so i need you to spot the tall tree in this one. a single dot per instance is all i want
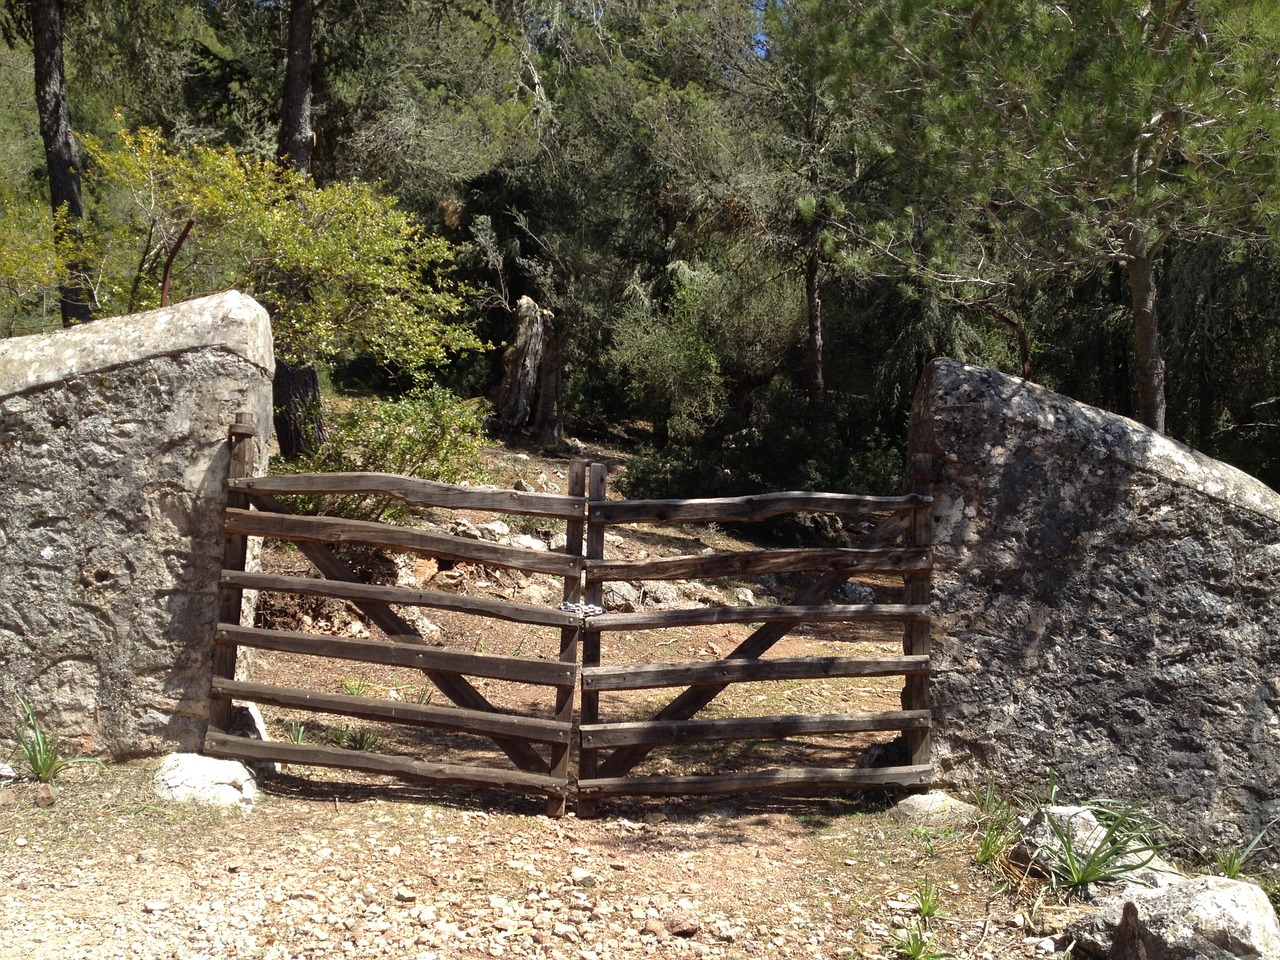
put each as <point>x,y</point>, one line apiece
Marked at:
<point>1059,138</point>
<point>61,156</point>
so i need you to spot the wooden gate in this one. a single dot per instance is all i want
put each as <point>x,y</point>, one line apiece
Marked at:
<point>576,752</point>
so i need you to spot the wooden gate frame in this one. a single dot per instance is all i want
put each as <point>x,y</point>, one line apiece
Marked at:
<point>587,513</point>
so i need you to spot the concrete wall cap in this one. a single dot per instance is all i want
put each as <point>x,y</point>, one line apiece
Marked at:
<point>228,321</point>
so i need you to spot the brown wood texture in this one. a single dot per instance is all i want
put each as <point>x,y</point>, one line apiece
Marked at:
<point>654,675</point>
<point>281,526</point>
<point>917,639</point>
<point>242,462</point>
<point>455,687</point>
<point>589,707</point>
<point>749,728</point>
<point>707,616</point>
<point>518,781</point>
<point>548,673</point>
<point>793,780</point>
<point>694,699</point>
<point>748,563</point>
<point>459,603</point>
<point>421,493</point>
<point>745,509</point>
<point>394,711</point>
<point>575,530</point>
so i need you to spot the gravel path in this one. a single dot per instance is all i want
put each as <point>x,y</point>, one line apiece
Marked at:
<point>109,872</point>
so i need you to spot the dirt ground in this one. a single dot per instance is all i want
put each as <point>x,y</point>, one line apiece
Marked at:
<point>335,864</point>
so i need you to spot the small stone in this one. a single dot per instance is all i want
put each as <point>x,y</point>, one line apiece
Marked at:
<point>46,795</point>
<point>405,895</point>
<point>8,797</point>
<point>155,906</point>
<point>682,924</point>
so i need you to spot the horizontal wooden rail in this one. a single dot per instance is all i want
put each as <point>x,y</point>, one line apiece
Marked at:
<point>550,673</point>
<point>648,676</point>
<point>655,732</point>
<point>786,780</point>
<point>746,509</point>
<point>223,745</point>
<point>423,493</point>
<point>396,711</point>
<point>706,616</point>
<point>456,602</point>
<point>260,523</point>
<point>749,563</point>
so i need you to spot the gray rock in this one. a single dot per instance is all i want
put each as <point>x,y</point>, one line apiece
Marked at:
<point>1106,606</point>
<point>621,596</point>
<point>495,531</point>
<point>192,777</point>
<point>1209,917</point>
<point>113,463</point>
<point>935,810</point>
<point>856,593</point>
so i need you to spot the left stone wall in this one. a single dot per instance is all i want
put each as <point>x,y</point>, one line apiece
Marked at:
<point>113,465</point>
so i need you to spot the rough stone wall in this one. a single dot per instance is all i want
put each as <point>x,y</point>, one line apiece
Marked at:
<point>1108,606</point>
<point>113,462</point>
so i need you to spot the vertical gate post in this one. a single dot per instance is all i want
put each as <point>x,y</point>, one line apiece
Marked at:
<point>566,696</point>
<point>590,712</point>
<point>918,637</point>
<point>243,463</point>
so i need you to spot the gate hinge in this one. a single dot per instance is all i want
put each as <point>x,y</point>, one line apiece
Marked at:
<point>582,609</point>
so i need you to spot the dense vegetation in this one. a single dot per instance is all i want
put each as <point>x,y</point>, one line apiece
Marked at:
<point>753,222</point>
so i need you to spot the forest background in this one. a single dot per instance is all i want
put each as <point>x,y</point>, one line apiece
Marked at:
<point>752,223</point>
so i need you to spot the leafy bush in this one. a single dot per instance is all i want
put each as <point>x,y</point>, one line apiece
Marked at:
<point>39,750</point>
<point>429,433</point>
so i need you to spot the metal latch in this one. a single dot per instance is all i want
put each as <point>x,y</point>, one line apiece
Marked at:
<point>582,609</point>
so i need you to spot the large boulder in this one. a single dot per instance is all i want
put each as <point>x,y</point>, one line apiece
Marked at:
<point>1107,606</point>
<point>113,465</point>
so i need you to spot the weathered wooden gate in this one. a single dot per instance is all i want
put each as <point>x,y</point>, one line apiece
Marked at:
<point>576,752</point>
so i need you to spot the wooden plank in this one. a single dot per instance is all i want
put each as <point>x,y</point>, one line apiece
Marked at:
<point>749,728</point>
<point>549,673</point>
<point>396,711</point>
<point>589,707</point>
<point>441,545</point>
<point>455,687</point>
<point>695,698</point>
<point>342,590</point>
<point>242,463</point>
<point>750,563</point>
<point>917,638</point>
<point>706,616</point>
<point>786,780</point>
<point>519,781</point>
<point>422,493</point>
<point>654,675</point>
<point>561,756</point>
<point>744,509</point>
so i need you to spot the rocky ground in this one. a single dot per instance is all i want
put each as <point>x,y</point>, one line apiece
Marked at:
<point>332,869</point>
<point>330,864</point>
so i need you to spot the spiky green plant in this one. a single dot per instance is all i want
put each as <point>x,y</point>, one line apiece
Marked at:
<point>39,749</point>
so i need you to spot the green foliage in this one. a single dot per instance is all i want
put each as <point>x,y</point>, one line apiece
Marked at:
<point>355,686</point>
<point>915,942</point>
<point>1230,861</point>
<point>339,267</point>
<point>928,899</point>
<point>39,750</point>
<point>429,434</point>
<point>296,732</point>
<point>1123,844</point>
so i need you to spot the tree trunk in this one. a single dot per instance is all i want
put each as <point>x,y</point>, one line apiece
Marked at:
<point>1146,334</point>
<point>296,137</point>
<point>548,415</point>
<point>817,384</point>
<point>521,367</point>
<point>299,416</point>
<point>299,420</point>
<point>75,292</point>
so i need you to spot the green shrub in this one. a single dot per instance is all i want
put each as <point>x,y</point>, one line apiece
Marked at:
<point>429,433</point>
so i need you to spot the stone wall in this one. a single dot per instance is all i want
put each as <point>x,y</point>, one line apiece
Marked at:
<point>113,461</point>
<point>1108,606</point>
